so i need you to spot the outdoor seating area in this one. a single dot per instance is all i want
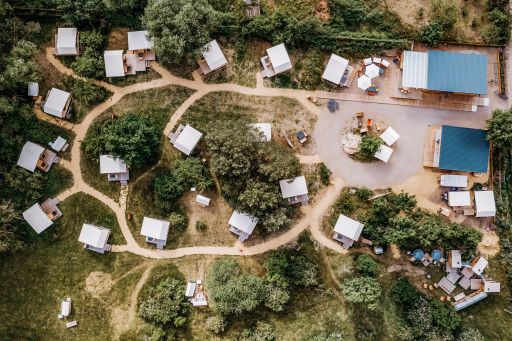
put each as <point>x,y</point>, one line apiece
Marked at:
<point>242,224</point>
<point>60,144</point>
<point>276,61</point>
<point>34,156</point>
<point>462,283</point>
<point>195,293</point>
<point>373,68</point>
<point>480,204</point>
<point>185,138</point>
<point>40,217</point>
<point>95,238</point>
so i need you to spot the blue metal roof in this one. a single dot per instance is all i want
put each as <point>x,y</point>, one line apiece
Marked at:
<point>464,149</point>
<point>457,72</point>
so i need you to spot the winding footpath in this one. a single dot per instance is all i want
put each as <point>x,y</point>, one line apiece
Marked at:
<point>311,215</point>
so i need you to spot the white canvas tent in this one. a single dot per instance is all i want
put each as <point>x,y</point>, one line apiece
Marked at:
<point>295,189</point>
<point>459,199</point>
<point>242,224</point>
<point>187,140</point>
<point>33,89</point>
<point>335,69</point>
<point>155,231</point>
<point>491,286</point>
<point>485,204</point>
<point>191,289</point>
<point>30,154</point>
<point>114,66</point>
<point>139,40</point>
<point>372,71</point>
<point>347,230</point>
<point>213,55</point>
<point>389,136</point>
<point>94,236</point>
<point>37,218</point>
<point>109,164</point>
<point>478,265</point>
<point>364,82</point>
<point>265,128</point>
<point>455,259</point>
<point>66,41</point>
<point>448,180</point>
<point>56,102</point>
<point>384,153</point>
<point>279,58</point>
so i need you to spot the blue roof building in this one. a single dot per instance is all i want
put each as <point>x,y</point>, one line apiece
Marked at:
<point>464,149</point>
<point>445,71</point>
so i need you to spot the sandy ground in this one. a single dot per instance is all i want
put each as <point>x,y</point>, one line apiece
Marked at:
<point>98,283</point>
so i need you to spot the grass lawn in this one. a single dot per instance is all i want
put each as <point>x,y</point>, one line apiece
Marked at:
<point>158,104</point>
<point>285,114</point>
<point>35,280</point>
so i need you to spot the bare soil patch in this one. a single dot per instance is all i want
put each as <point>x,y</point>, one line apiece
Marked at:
<point>98,283</point>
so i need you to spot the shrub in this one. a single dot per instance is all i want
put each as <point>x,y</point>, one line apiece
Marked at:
<point>178,221</point>
<point>262,332</point>
<point>403,293</point>
<point>362,290</point>
<point>216,323</point>
<point>88,93</point>
<point>201,226</point>
<point>324,174</point>
<point>276,296</point>
<point>90,62</point>
<point>166,303</point>
<point>166,191</point>
<point>366,265</point>
<point>364,193</point>
<point>500,128</point>
<point>432,33</point>
<point>295,269</point>
<point>369,146</point>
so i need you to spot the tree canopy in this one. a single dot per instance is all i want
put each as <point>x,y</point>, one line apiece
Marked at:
<point>132,137</point>
<point>179,28</point>
<point>500,128</point>
<point>362,290</point>
<point>165,303</point>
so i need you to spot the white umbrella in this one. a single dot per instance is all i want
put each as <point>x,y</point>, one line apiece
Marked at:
<point>364,82</point>
<point>372,71</point>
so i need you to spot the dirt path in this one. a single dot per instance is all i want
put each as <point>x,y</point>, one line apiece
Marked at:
<point>312,214</point>
<point>122,318</point>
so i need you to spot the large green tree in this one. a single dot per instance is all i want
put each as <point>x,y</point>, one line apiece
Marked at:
<point>19,68</point>
<point>132,137</point>
<point>500,128</point>
<point>179,28</point>
<point>165,303</point>
<point>233,291</point>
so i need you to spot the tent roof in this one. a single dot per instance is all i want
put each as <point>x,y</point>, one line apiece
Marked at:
<point>415,70</point>
<point>243,221</point>
<point>335,69</point>
<point>155,228</point>
<point>36,218</point>
<point>213,55</point>
<point>114,63</point>
<point>449,180</point>
<point>384,153</point>
<point>389,136</point>
<point>56,100</point>
<point>139,40</point>
<point>265,128</point>
<point>348,227</point>
<point>480,266</point>
<point>464,149</point>
<point>455,258</point>
<point>94,235</point>
<point>484,202</point>
<point>293,187</point>
<point>66,37</point>
<point>457,72</point>
<point>188,139</point>
<point>457,199</point>
<point>491,286</point>
<point>278,55</point>
<point>29,156</point>
<point>33,89</point>
<point>109,164</point>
